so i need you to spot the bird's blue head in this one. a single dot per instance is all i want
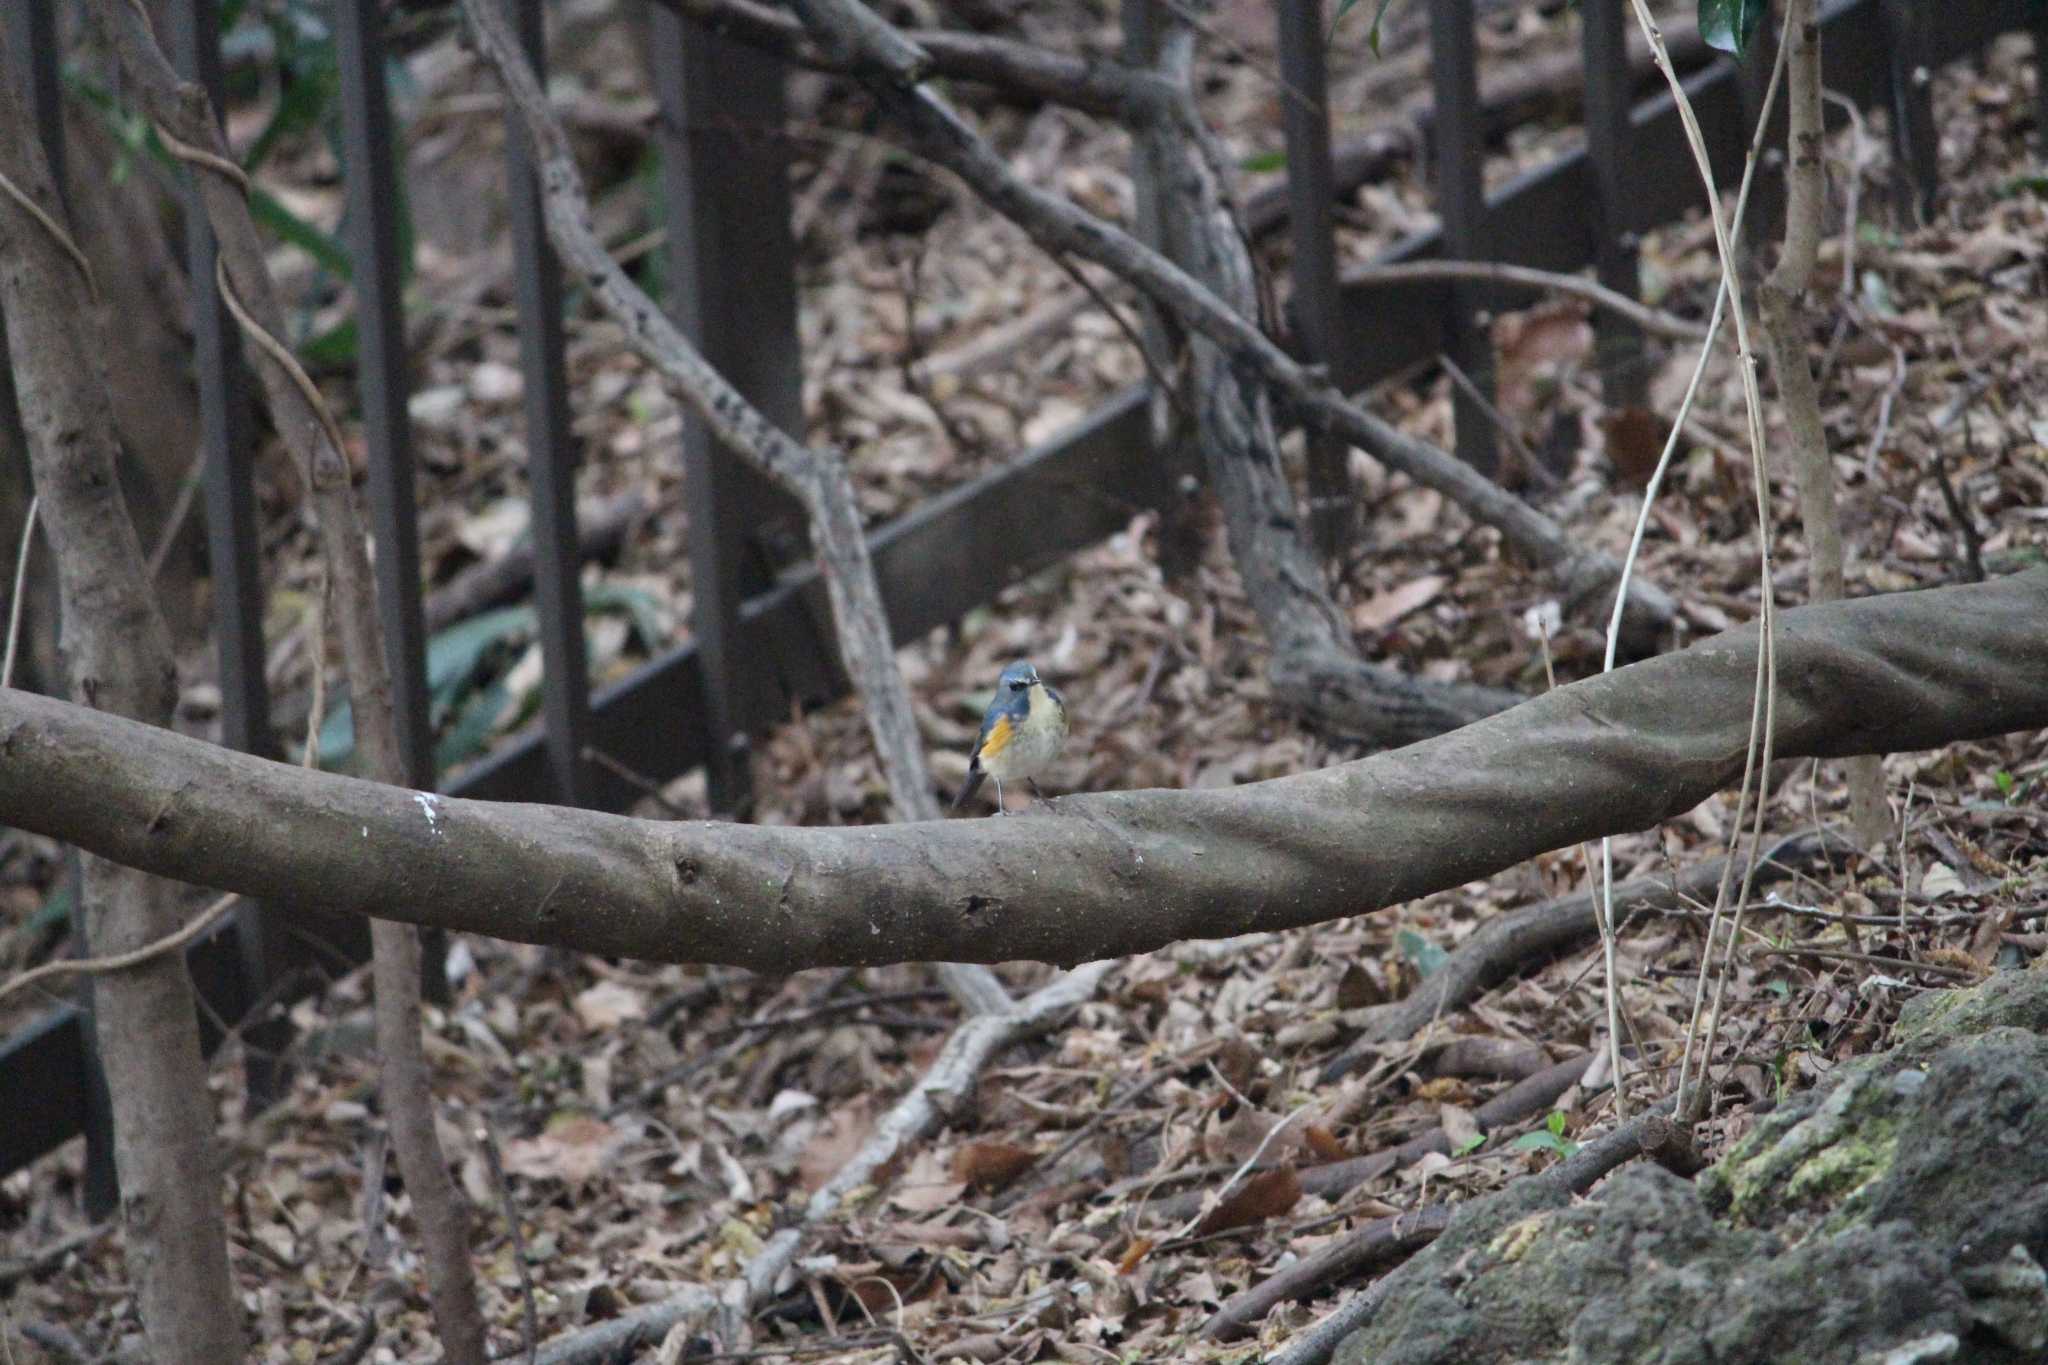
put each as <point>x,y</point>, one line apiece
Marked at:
<point>1017,679</point>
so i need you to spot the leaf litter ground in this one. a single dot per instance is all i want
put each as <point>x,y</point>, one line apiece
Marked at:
<point>657,1123</point>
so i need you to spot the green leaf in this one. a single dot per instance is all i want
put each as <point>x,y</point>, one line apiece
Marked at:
<point>1426,956</point>
<point>1263,162</point>
<point>1470,1144</point>
<point>1555,1123</point>
<point>472,729</point>
<point>1728,25</point>
<point>452,660</point>
<point>1538,1141</point>
<point>333,349</point>
<point>2005,783</point>
<point>636,604</point>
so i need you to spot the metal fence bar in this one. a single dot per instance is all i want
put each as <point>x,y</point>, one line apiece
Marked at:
<point>550,452</point>
<point>1916,146</point>
<point>1458,163</point>
<point>1764,222</point>
<point>234,543</point>
<point>1305,123</point>
<point>2040,31</point>
<point>731,286</point>
<point>32,32</point>
<point>1624,374</point>
<point>380,269</point>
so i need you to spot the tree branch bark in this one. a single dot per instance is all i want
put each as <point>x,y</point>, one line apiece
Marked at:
<point>849,31</point>
<point>816,478</point>
<point>1109,874</point>
<point>1314,662</point>
<point>119,656</point>
<point>1781,301</point>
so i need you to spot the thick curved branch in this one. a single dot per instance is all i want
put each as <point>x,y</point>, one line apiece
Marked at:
<point>1109,874</point>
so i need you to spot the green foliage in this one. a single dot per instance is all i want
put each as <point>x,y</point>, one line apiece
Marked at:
<point>1470,1145</point>
<point>1549,1138</point>
<point>1728,25</point>
<point>468,698</point>
<point>1426,956</point>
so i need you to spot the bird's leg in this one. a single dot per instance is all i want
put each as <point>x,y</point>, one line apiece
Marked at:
<point>1001,809</point>
<point>1039,795</point>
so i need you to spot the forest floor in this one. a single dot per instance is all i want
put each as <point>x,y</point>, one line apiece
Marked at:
<point>657,1123</point>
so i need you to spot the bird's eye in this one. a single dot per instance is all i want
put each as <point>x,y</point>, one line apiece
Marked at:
<point>1020,686</point>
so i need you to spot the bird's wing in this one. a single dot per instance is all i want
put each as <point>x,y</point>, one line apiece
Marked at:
<point>996,734</point>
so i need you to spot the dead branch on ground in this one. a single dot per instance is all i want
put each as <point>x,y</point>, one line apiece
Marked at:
<point>892,69</point>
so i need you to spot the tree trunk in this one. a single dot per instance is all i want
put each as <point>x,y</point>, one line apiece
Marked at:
<point>1315,665</point>
<point>119,657</point>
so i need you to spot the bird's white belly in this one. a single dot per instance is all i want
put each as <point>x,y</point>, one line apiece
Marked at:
<point>1030,751</point>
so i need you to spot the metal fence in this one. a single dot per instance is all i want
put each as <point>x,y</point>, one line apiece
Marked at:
<point>759,635</point>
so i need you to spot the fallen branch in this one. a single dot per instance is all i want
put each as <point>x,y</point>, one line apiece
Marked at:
<point>917,1114</point>
<point>1655,321</point>
<point>1110,874</point>
<point>1518,1103</point>
<point>1524,939</point>
<point>876,55</point>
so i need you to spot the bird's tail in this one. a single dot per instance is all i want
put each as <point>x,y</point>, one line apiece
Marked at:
<point>974,776</point>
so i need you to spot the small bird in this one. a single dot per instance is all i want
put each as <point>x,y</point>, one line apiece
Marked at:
<point>1020,736</point>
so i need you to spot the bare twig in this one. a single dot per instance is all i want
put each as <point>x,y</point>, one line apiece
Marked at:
<point>1757,757</point>
<point>1534,467</point>
<point>529,1316</point>
<point>1781,301</point>
<point>57,233</point>
<point>970,1048</point>
<point>149,952</point>
<point>815,477</point>
<point>1655,321</point>
<point>1966,526</point>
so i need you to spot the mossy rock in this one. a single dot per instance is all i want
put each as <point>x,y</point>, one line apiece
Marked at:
<point>1897,1214</point>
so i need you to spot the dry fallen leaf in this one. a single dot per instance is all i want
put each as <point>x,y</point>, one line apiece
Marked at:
<point>991,1166</point>
<point>928,1185</point>
<point>574,1148</point>
<point>609,1004</point>
<point>1269,1194</point>
<point>1383,609</point>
